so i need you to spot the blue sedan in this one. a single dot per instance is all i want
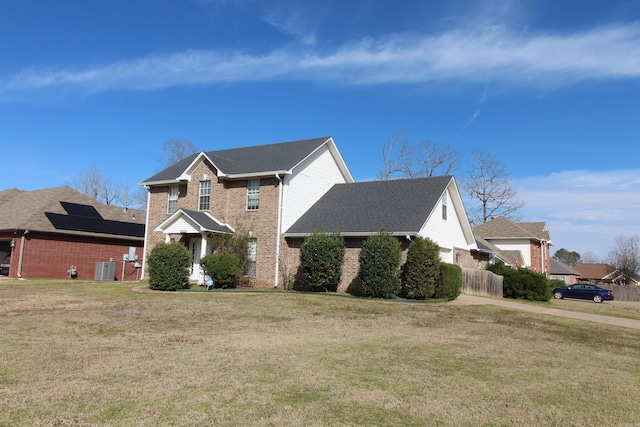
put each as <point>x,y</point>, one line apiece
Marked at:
<point>584,291</point>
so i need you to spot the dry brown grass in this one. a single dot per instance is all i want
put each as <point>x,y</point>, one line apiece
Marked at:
<point>82,353</point>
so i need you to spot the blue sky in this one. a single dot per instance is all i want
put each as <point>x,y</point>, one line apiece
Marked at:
<point>550,88</point>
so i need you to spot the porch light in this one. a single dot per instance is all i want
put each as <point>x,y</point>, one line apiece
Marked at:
<point>13,243</point>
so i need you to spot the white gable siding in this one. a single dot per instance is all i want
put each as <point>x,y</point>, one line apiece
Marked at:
<point>522,245</point>
<point>446,233</point>
<point>310,180</point>
<point>180,225</point>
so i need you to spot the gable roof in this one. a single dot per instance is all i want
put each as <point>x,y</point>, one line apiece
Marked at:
<point>360,209</point>
<point>595,271</point>
<point>64,210</point>
<point>199,222</point>
<point>504,228</point>
<point>259,160</point>
<point>561,269</point>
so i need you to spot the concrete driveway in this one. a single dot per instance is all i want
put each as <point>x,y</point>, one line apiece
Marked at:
<point>609,320</point>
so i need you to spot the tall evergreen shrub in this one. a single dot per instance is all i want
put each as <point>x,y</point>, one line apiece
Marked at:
<point>379,266</point>
<point>450,283</point>
<point>169,265</point>
<point>321,259</point>
<point>523,283</point>
<point>422,269</point>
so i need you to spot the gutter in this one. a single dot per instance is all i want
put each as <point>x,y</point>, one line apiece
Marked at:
<point>278,229</point>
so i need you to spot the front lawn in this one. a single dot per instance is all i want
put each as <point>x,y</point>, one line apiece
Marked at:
<point>97,353</point>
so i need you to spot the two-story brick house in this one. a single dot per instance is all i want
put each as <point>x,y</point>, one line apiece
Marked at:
<point>260,190</point>
<point>527,244</point>
<point>280,193</point>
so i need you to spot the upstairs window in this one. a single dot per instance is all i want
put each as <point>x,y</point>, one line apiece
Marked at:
<point>253,194</point>
<point>172,206</point>
<point>205,195</point>
<point>444,206</point>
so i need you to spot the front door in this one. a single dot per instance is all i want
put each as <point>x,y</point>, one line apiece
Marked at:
<point>194,246</point>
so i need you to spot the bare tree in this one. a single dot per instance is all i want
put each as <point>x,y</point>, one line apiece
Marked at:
<point>589,258</point>
<point>403,160</point>
<point>432,160</point>
<point>490,190</point>
<point>177,149</point>
<point>625,257</point>
<point>396,155</point>
<point>98,187</point>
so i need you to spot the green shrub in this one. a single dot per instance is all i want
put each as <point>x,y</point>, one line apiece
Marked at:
<point>523,283</point>
<point>169,265</point>
<point>321,258</point>
<point>236,244</point>
<point>450,283</point>
<point>224,269</point>
<point>421,270</point>
<point>379,269</point>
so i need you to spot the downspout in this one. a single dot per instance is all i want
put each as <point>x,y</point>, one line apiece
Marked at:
<point>21,256</point>
<point>146,234</point>
<point>278,229</point>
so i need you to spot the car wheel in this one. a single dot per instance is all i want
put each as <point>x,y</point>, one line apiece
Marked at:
<point>597,298</point>
<point>558,295</point>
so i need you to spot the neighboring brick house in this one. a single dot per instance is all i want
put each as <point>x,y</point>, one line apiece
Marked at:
<point>48,231</point>
<point>525,244</point>
<point>260,190</point>
<point>603,274</point>
<point>278,193</point>
<point>561,271</point>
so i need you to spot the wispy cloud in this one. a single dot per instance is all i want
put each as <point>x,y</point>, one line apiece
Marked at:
<point>493,54</point>
<point>585,210</point>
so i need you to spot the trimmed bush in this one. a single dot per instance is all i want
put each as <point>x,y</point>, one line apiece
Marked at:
<point>523,283</point>
<point>321,258</point>
<point>421,270</point>
<point>450,283</point>
<point>224,269</point>
<point>236,244</point>
<point>379,271</point>
<point>169,265</point>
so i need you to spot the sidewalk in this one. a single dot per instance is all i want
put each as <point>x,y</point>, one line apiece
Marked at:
<point>609,320</point>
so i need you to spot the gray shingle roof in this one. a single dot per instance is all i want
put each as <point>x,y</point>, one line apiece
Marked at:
<point>248,160</point>
<point>558,268</point>
<point>399,206</point>
<point>206,222</point>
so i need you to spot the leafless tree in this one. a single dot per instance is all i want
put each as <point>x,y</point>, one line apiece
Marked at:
<point>625,256</point>
<point>177,149</point>
<point>403,160</point>
<point>287,265</point>
<point>93,184</point>
<point>490,190</point>
<point>431,160</point>
<point>589,258</point>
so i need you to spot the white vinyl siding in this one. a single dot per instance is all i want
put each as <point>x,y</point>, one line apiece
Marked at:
<point>310,181</point>
<point>447,233</point>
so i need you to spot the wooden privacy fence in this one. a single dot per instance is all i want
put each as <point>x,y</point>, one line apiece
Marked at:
<point>625,293</point>
<point>482,283</point>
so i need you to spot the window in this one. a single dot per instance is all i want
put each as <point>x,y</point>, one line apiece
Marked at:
<point>444,206</point>
<point>253,194</point>
<point>252,255</point>
<point>174,190</point>
<point>205,195</point>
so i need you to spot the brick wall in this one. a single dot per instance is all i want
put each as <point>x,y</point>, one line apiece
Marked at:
<point>51,256</point>
<point>228,204</point>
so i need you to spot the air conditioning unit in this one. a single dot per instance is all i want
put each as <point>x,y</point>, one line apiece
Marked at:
<point>105,271</point>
